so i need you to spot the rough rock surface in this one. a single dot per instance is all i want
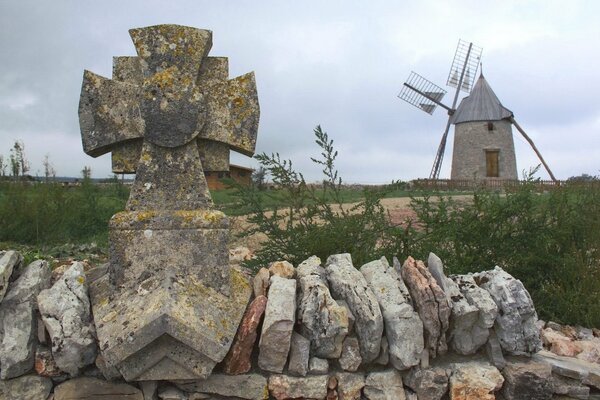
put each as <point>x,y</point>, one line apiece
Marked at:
<point>494,351</point>
<point>384,353</point>
<point>299,355</point>
<point>530,380</point>
<point>559,343</point>
<point>515,325</point>
<point>248,386</point>
<point>470,332</point>
<point>427,383</point>
<point>18,322</point>
<point>278,324</point>
<point>44,363</point>
<point>349,285</point>
<point>291,387</point>
<point>260,282</point>
<point>569,387</point>
<point>92,388</point>
<point>283,269</point>
<point>431,304</point>
<point>171,393</point>
<point>350,359</point>
<point>384,385</point>
<point>27,387</point>
<point>65,310</point>
<point>318,366</point>
<point>436,269</point>
<point>350,385</point>
<point>475,381</point>
<point>586,372</point>
<point>8,262</point>
<point>149,389</point>
<point>109,372</point>
<point>322,320</point>
<point>238,359</point>
<point>403,327</point>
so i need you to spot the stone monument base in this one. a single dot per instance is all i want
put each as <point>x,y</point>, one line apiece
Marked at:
<point>169,306</point>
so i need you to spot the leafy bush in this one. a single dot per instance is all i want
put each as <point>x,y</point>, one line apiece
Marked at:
<point>308,220</point>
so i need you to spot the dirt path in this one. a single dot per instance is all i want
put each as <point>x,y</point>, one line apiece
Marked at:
<point>398,209</point>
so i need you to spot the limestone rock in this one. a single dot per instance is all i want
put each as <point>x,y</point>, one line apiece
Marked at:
<point>410,395</point>
<point>494,351</point>
<point>473,314</point>
<point>238,360</point>
<point>350,385</point>
<point>569,387</point>
<point>171,393</point>
<point>8,262</point>
<point>586,372</point>
<point>87,388</point>
<point>277,326</point>
<point>299,355</point>
<point>318,366</point>
<point>260,283</point>
<point>109,372</point>
<point>475,381</point>
<point>531,380</point>
<point>560,344</point>
<point>436,269</point>
<point>384,385</point>
<point>283,269</point>
<point>351,318</point>
<point>349,285</point>
<point>384,353</point>
<point>65,310</point>
<point>515,324</point>
<point>350,359</point>
<point>292,387</point>
<point>403,327</point>
<point>18,342</point>
<point>428,383</point>
<point>590,350</point>
<point>33,279</point>
<point>248,386</point>
<point>44,363</point>
<point>149,389</point>
<point>27,387</point>
<point>18,322</point>
<point>431,304</point>
<point>322,320</point>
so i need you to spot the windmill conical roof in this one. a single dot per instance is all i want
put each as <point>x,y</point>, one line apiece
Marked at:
<point>481,105</point>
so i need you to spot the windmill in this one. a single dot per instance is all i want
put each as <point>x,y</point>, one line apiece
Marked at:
<point>483,144</point>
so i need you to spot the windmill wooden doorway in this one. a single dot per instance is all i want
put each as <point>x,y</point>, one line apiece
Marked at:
<point>491,163</point>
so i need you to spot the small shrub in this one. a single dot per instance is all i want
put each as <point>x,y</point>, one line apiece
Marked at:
<point>306,220</point>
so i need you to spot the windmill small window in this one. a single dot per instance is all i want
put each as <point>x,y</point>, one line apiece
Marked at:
<point>490,126</point>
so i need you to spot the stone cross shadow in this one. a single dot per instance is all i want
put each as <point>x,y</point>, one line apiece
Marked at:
<point>170,305</point>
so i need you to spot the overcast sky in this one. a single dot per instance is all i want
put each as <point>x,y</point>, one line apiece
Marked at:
<point>340,64</point>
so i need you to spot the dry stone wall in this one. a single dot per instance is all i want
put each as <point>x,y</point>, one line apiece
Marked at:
<point>321,330</point>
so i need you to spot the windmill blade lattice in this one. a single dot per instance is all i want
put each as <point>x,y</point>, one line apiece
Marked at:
<point>466,58</point>
<point>421,93</point>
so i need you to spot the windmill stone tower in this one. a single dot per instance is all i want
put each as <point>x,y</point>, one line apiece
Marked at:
<point>483,139</point>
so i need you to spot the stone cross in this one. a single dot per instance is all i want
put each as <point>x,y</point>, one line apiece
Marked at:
<point>169,305</point>
<point>169,96</point>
